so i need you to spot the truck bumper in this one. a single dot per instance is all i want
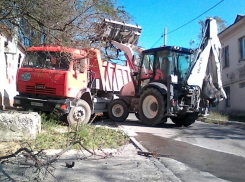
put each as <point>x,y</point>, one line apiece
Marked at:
<point>62,106</point>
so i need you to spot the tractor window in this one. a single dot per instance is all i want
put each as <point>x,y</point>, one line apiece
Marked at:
<point>175,63</point>
<point>183,61</point>
<point>147,65</point>
<point>166,64</point>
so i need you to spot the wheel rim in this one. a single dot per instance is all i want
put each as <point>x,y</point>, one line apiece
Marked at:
<point>117,110</point>
<point>79,114</point>
<point>150,107</point>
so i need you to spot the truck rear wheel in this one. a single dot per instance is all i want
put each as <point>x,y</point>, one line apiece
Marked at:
<point>137,116</point>
<point>80,114</point>
<point>185,120</point>
<point>152,107</point>
<point>118,110</point>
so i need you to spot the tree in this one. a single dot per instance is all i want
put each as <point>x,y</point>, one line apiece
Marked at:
<point>220,23</point>
<point>69,22</point>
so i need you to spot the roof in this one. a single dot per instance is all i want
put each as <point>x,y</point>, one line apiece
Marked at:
<point>238,18</point>
<point>172,48</point>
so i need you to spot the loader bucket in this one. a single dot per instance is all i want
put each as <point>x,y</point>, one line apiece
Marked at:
<point>120,32</point>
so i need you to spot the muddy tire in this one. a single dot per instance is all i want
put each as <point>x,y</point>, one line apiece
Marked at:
<point>152,107</point>
<point>164,120</point>
<point>80,114</point>
<point>118,110</point>
<point>185,120</point>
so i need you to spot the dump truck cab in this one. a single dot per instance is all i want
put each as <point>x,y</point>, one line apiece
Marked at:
<point>50,76</point>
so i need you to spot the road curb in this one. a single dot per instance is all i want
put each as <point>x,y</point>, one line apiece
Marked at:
<point>237,124</point>
<point>166,172</point>
<point>222,122</point>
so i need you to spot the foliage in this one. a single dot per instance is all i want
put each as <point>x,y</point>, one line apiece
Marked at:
<point>50,21</point>
<point>220,23</point>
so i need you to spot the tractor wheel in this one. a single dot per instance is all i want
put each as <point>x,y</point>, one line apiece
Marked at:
<point>164,120</point>
<point>118,110</point>
<point>80,114</point>
<point>185,120</point>
<point>152,107</point>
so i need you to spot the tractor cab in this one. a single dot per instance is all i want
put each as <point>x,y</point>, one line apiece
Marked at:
<point>159,63</point>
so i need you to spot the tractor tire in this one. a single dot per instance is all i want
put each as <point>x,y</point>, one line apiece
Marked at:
<point>164,120</point>
<point>185,120</point>
<point>80,114</point>
<point>152,107</point>
<point>118,110</point>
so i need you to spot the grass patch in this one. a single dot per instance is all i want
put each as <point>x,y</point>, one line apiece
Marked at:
<point>216,118</point>
<point>55,136</point>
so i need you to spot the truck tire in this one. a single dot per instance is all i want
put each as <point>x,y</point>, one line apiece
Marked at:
<point>137,116</point>
<point>152,107</point>
<point>118,110</point>
<point>80,114</point>
<point>185,120</point>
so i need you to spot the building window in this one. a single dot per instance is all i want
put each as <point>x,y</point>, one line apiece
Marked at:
<point>242,85</point>
<point>227,101</point>
<point>226,56</point>
<point>242,48</point>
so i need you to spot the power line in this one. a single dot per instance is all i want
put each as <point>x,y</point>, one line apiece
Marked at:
<point>189,21</point>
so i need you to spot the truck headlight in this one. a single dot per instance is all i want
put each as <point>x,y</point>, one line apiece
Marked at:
<point>17,101</point>
<point>57,106</point>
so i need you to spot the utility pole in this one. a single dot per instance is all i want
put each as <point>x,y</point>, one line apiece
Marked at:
<point>165,36</point>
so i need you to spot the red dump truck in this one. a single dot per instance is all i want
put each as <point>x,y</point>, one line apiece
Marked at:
<point>51,76</point>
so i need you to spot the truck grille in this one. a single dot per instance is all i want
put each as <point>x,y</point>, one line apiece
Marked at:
<point>40,89</point>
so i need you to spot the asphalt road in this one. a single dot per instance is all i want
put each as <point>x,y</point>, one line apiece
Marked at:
<point>218,150</point>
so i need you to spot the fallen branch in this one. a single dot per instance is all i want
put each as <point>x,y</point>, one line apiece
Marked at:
<point>153,154</point>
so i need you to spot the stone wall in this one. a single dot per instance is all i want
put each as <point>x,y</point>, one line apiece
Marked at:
<point>19,125</point>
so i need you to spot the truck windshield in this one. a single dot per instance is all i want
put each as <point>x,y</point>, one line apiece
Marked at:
<point>47,60</point>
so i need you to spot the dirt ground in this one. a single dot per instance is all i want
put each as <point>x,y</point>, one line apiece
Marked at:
<point>8,148</point>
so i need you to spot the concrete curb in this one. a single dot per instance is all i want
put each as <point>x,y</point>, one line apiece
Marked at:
<point>237,124</point>
<point>228,123</point>
<point>167,172</point>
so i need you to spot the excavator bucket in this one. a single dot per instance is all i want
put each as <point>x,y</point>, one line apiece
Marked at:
<point>120,32</point>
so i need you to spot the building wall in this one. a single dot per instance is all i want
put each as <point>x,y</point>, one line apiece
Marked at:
<point>8,70</point>
<point>234,74</point>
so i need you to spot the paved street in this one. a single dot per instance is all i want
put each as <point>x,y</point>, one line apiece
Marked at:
<point>216,149</point>
<point>202,152</point>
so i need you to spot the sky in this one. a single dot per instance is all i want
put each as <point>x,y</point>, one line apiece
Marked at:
<point>154,15</point>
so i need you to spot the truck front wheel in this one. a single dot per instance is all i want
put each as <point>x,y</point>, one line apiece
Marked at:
<point>118,110</point>
<point>152,107</point>
<point>80,114</point>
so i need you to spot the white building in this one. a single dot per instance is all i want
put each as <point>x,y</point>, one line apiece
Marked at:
<point>233,71</point>
<point>11,56</point>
